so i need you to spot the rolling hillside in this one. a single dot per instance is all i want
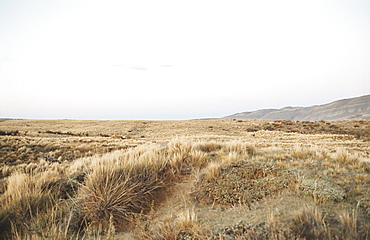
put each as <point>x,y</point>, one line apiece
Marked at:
<point>346,109</point>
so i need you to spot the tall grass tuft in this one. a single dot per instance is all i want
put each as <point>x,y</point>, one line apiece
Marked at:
<point>343,156</point>
<point>197,158</point>
<point>310,224</point>
<point>114,190</point>
<point>26,198</point>
<point>212,171</point>
<point>179,150</point>
<point>349,223</point>
<point>208,146</point>
<point>187,219</point>
<point>240,148</point>
<point>180,146</point>
<point>231,157</point>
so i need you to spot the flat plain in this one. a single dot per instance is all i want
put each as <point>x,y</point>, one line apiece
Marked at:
<point>191,179</point>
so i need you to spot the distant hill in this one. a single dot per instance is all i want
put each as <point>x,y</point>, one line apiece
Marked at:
<point>346,109</point>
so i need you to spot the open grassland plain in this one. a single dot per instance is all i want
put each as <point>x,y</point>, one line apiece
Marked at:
<point>194,179</point>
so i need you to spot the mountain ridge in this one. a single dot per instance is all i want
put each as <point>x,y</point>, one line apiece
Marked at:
<point>357,108</point>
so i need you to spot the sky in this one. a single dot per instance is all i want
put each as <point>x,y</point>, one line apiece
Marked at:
<point>145,59</point>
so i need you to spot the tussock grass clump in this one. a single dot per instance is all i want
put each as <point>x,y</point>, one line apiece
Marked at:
<point>181,227</point>
<point>322,153</point>
<point>180,146</point>
<point>348,221</point>
<point>315,222</point>
<point>198,159</point>
<point>187,219</point>
<point>116,189</point>
<point>242,182</point>
<point>344,157</point>
<point>212,171</point>
<point>179,151</point>
<point>231,157</point>
<point>26,197</point>
<point>241,148</point>
<point>186,156</point>
<point>309,223</point>
<point>301,152</point>
<point>208,147</point>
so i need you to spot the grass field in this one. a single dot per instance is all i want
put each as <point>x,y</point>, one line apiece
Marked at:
<point>194,179</point>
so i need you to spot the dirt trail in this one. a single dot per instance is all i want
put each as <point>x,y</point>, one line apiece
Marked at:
<point>176,198</point>
<point>172,200</point>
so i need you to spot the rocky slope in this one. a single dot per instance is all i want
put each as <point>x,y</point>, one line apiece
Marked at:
<point>357,108</point>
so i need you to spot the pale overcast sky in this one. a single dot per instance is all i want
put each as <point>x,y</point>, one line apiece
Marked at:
<point>134,59</point>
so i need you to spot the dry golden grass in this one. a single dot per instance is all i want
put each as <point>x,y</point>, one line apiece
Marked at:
<point>310,223</point>
<point>349,223</point>
<point>27,199</point>
<point>212,171</point>
<point>119,186</point>
<point>184,179</point>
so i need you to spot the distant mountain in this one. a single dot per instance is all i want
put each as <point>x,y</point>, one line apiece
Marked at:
<point>346,109</point>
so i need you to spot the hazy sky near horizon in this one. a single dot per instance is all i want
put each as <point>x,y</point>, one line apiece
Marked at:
<point>172,59</point>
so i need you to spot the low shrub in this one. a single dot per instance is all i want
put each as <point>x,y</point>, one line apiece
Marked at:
<point>241,182</point>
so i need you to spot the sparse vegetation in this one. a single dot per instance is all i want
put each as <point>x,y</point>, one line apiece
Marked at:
<point>241,182</point>
<point>184,180</point>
